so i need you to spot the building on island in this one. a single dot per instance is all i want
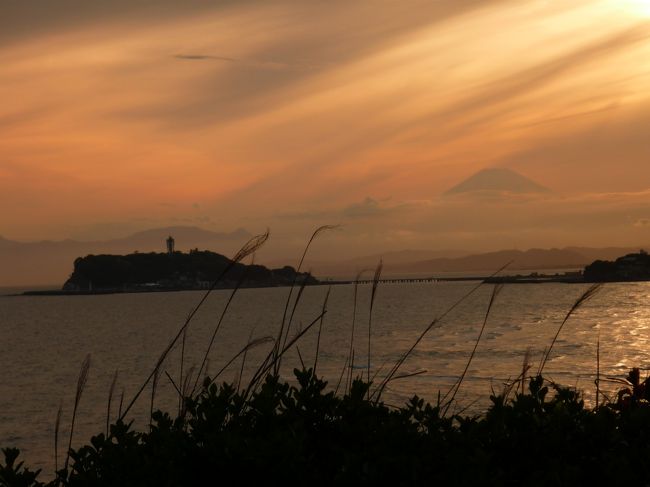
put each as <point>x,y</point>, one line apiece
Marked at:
<point>170,245</point>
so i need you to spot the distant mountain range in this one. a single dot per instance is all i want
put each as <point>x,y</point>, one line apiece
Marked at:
<point>498,180</point>
<point>411,263</point>
<point>570,257</point>
<point>51,262</point>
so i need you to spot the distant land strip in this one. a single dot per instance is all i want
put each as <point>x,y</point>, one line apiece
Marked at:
<point>629,268</point>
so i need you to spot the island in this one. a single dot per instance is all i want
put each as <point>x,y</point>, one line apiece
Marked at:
<point>171,271</point>
<point>631,267</point>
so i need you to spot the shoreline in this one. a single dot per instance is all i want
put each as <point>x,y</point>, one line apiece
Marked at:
<point>540,279</point>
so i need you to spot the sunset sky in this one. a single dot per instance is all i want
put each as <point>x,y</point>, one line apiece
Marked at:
<point>123,115</point>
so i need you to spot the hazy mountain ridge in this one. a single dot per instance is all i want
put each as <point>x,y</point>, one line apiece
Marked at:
<point>569,257</point>
<point>491,261</point>
<point>349,267</point>
<point>51,262</point>
<point>480,263</point>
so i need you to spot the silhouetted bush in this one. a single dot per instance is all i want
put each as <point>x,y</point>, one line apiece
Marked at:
<point>303,433</point>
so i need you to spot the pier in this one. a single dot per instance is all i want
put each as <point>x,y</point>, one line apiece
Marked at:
<point>407,280</point>
<point>517,279</point>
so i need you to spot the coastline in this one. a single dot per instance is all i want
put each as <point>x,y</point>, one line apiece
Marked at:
<point>517,279</point>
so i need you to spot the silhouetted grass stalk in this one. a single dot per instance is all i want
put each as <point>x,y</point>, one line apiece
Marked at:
<point>119,409</point>
<point>176,388</point>
<point>243,362</point>
<point>81,383</point>
<point>598,369</point>
<point>375,283</point>
<point>586,296</point>
<point>338,384</point>
<point>525,367</point>
<point>302,362</point>
<point>57,426</point>
<point>281,333</point>
<point>278,356</point>
<point>111,390</point>
<point>154,386</point>
<point>180,374</point>
<point>293,311</point>
<point>251,344</point>
<point>350,359</point>
<point>240,281</point>
<point>320,327</point>
<point>495,292</point>
<point>378,391</point>
<point>248,248</point>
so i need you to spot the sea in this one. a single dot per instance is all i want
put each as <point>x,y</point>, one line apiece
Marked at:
<point>45,339</point>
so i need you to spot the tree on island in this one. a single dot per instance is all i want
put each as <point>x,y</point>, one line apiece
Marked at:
<point>173,270</point>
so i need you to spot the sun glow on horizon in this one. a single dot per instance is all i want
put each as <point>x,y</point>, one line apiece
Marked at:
<point>639,7</point>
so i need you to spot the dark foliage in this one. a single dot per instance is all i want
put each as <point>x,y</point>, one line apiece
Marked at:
<point>289,434</point>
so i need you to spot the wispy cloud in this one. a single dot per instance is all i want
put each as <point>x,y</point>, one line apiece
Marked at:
<point>203,57</point>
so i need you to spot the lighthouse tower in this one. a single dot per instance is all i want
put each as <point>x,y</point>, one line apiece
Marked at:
<point>170,245</point>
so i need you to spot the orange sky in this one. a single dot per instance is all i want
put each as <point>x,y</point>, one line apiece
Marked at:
<point>120,116</point>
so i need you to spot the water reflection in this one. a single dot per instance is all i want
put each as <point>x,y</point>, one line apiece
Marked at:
<point>45,339</point>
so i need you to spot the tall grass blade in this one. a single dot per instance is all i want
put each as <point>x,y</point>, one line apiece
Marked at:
<point>378,371</point>
<point>598,369</point>
<point>243,362</point>
<point>278,356</point>
<point>81,383</point>
<point>320,327</point>
<point>185,389</point>
<point>111,390</point>
<point>350,378</point>
<point>293,312</point>
<point>281,333</point>
<point>375,283</point>
<point>249,248</point>
<point>119,408</point>
<point>57,426</point>
<point>586,296</point>
<point>350,359</point>
<point>409,374</point>
<point>495,292</point>
<point>261,367</point>
<point>180,375</point>
<point>525,367</point>
<point>302,362</point>
<point>338,384</point>
<point>154,387</point>
<point>178,391</point>
<point>240,281</point>
<point>429,327</point>
<point>252,344</point>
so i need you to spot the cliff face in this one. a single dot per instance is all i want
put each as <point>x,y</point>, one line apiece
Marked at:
<point>194,270</point>
<point>632,267</point>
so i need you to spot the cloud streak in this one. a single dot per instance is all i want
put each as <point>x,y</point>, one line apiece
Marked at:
<point>203,57</point>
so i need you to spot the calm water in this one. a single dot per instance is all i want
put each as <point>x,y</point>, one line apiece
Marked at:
<point>43,341</point>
